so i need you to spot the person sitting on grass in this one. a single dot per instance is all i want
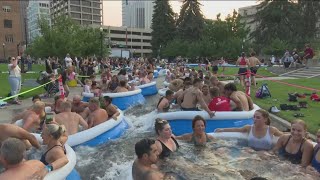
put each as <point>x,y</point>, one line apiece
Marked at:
<point>294,147</point>
<point>199,137</point>
<point>11,157</point>
<point>218,102</point>
<point>164,102</point>
<point>260,134</point>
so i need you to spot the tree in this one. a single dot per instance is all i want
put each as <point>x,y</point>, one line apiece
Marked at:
<point>276,19</point>
<point>276,47</point>
<point>190,23</point>
<point>65,36</point>
<point>163,25</point>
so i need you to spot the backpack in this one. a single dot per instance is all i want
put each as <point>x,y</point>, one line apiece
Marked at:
<point>263,92</point>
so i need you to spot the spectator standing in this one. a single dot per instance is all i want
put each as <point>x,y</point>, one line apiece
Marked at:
<point>308,55</point>
<point>68,60</point>
<point>14,78</point>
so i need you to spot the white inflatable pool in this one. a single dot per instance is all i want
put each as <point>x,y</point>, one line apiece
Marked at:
<point>101,133</point>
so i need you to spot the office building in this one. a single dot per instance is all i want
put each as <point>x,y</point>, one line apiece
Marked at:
<point>137,13</point>
<point>84,12</point>
<point>136,40</point>
<point>36,11</point>
<point>11,35</point>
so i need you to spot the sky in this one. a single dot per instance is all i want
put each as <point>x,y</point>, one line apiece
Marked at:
<point>112,10</point>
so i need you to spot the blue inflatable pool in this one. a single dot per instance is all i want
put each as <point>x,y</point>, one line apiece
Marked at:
<point>100,134</point>
<point>155,74</point>
<point>181,121</point>
<point>148,89</point>
<point>126,100</point>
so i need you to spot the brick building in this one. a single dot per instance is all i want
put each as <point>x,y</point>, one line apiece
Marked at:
<point>11,33</point>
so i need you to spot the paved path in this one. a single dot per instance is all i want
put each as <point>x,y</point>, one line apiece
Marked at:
<point>303,73</point>
<point>268,78</point>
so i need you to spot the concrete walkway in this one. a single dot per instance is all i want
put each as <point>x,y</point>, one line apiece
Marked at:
<point>278,78</point>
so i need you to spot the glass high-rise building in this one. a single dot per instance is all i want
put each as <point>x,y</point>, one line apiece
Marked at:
<point>137,13</point>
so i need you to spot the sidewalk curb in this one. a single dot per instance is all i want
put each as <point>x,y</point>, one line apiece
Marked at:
<point>287,124</point>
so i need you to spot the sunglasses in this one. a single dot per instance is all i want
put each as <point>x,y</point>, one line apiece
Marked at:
<point>162,121</point>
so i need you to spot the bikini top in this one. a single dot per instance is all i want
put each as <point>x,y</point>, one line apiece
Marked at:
<point>43,157</point>
<point>197,143</point>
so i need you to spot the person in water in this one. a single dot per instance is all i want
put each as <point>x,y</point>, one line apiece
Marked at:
<point>164,102</point>
<point>218,102</point>
<point>316,154</point>
<point>294,146</point>
<point>260,134</point>
<point>55,155</point>
<point>94,114</point>
<point>143,167</point>
<point>199,137</point>
<point>192,96</point>
<point>243,102</point>
<point>165,142</point>
<point>112,110</point>
<point>11,157</point>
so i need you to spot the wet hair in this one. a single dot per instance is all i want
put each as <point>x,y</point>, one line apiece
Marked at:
<point>198,118</point>
<point>299,121</point>
<point>108,99</point>
<point>169,92</point>
<point>143,146</point>
<point>265,114</point>
<point>159,125</point>
<point>12,150</point>
<point>214,91</point>
<point>66,105</point>
<point>55,130</point>
<point>230,87</point>
<point>36,97</point>
<point>197,80</point>
<point>123,83</point>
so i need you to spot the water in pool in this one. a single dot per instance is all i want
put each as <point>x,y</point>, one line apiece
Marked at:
<point>222,159</point>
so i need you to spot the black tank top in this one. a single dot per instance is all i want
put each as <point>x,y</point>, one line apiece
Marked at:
<point>165,150</point>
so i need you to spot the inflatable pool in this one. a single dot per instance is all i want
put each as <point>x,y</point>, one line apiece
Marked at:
<point>237,135</point>
<point>67,171</point>
<point>162,92</point>
<point>99,134</point>
<point>155,74</point>
<point>181,121</point>
<point>124,100</point>
<point>86,96</point>
<point>159,68</point>
<point>148,89</point>
<point>194,65</point>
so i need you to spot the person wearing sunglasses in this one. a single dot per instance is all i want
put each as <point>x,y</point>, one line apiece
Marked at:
<point>14,78</point>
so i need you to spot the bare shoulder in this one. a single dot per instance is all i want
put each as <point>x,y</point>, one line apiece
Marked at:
<point>308,144</point>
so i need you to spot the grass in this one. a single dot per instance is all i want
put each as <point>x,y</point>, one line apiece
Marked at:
<point>5,86</point>
<point>279,93</point>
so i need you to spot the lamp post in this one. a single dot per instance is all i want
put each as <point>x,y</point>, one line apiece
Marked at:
<point>4,50</point>
<point>101,32</point>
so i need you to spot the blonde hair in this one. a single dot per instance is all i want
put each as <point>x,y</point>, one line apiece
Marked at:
<point>38,105</point>
<point>301,122</point>
<point>55,130</point>
<point>265,114</point>
<point>87,81</point>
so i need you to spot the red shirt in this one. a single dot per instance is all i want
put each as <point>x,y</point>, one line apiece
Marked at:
<point>308,51</point>
<point>314,97</point>
<point>220,103</point>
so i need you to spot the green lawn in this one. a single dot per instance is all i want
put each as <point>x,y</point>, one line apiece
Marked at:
<point>279,93</point>
<point>5,87</point>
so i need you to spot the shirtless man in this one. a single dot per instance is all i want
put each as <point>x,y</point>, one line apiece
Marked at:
<point>143,167</point>
<point>253,62</point>
<point>215,82</point>
<point>122,87</point>
<point>164,102</point>
<point>77,105</point>
<point>192,96</point>
<point>205,94</point>
<point>242,101</point>
<point>31,118</point>
<point>112,110</point>
<point>70,120</point>
<point>13,131</point>
<point>16,167</point>
<point>94,114</point>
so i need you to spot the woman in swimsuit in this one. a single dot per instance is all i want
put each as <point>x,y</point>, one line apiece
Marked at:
<point>199,137</point>
<point>55,156</point>
<point>316,154</point>
<point>165,142</point>
<point>294,146</point>
<point>260,134</point>
<point>243,64</point>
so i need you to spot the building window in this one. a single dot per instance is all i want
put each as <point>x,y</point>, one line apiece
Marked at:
<point>7,23</point>
<point>146,40</point>
<point>86,16</point>
<point>96,11</point>
<point>97,18</point>
<point>86,3</point>
<point>76,15</point>
<point>147,34</point>
<point>9,38</point>
<point>87,10</point>
<point>6,8</point>
<point>75,8</point>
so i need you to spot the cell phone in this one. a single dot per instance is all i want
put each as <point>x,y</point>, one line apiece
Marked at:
<point>49,117</point>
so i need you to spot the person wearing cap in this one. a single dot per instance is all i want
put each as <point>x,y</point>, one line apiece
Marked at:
<point>31,118</point>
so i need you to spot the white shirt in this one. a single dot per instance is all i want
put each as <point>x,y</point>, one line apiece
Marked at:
<point>68,61</point>
<point>15,72</point>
